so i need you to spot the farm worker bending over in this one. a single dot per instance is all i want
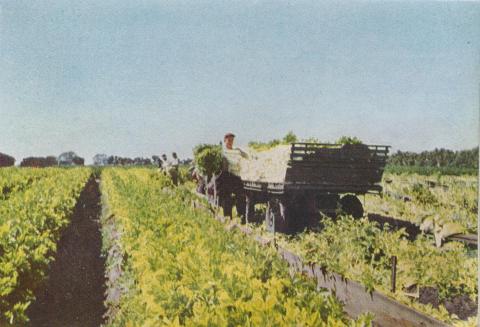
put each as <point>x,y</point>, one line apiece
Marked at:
<point>229,185</point>
<point>200,179</point>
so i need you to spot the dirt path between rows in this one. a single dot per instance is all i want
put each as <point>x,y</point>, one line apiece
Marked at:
<point>74,293</point>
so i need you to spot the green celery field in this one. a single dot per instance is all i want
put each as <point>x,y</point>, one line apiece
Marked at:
<point>166,263</point>
<point>187,270</point>
<point>34,208</point>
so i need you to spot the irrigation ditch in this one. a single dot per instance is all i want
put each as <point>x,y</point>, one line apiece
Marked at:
<point>74,292</point>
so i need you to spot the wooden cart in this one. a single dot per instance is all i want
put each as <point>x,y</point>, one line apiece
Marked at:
<point>319,177</point>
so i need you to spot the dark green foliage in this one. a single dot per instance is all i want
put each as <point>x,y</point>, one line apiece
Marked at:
<point>439,158</point>
<point>348,140</point>
<point>200,147</point>
<point>422,194</point>
<point>208,158</point>
<point>289,138</point>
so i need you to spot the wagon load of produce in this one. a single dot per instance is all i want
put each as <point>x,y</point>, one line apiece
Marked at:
<point>318,165</point>
<point>266,166</point>
<point>272,165</point>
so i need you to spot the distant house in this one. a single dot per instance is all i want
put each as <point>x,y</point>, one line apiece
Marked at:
<point>70,159</point>
<point>100,160</point>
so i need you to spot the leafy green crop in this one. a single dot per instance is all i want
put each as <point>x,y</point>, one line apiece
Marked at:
<point>31,221</point>
<point>422,194</point>
<point>416,198</point>
<point>14,180</point>
<point>188,271</point>
<point>359,250</point>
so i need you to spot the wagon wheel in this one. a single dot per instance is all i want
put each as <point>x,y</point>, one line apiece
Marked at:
<point>327,204</point>
<point>351,205</point>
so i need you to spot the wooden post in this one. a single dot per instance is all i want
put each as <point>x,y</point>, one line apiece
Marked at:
<point>274,241</point>
<point>394,273</point>
<point>247,209</point>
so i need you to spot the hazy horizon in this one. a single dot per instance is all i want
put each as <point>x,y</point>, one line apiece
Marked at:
<point>141,78</point>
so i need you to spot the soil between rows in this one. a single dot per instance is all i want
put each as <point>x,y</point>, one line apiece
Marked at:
<point>74,292</point>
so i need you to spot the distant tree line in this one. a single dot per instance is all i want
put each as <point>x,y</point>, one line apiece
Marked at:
<point>104,160</point>
<point>112,160</point>
<point>72,159</point>
<point>49,161</point>
<point>437,158</point>
<point>65,159</point>
<point>69,158</point>
<point>6,160</point>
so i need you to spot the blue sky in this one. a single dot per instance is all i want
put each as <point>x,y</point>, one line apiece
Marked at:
<point>137,78</point>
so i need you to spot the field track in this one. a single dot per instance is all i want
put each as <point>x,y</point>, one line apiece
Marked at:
<point>74,293</point>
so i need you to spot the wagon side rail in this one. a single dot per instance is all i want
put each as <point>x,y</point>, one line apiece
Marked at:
<point>301,151</point>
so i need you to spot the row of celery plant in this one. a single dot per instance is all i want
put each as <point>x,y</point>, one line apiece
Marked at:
<point>31,221</point>
<point>188,270</point>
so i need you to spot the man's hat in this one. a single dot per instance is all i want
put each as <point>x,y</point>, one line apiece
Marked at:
<point>228,135</point>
